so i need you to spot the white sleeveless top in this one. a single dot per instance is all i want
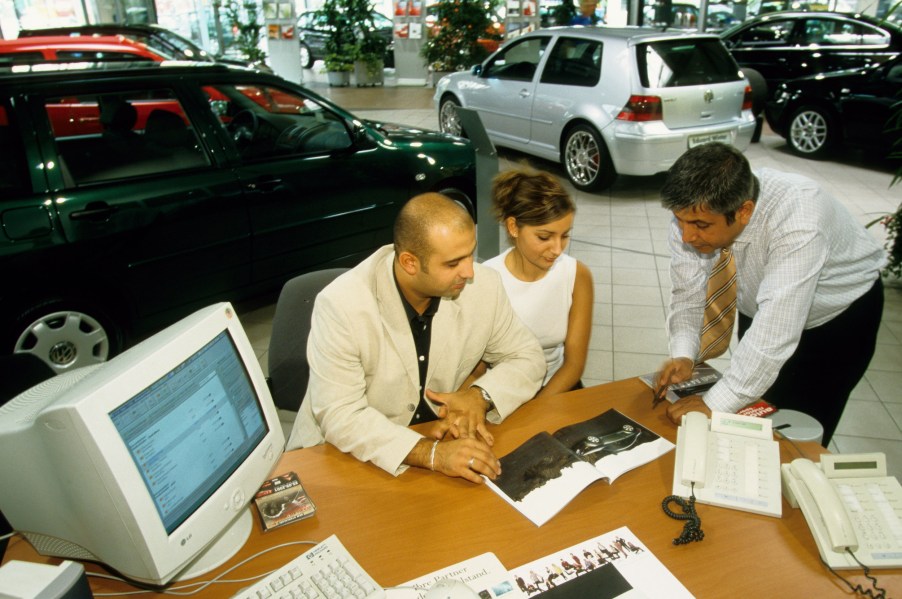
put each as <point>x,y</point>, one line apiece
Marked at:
<point>543,305</point>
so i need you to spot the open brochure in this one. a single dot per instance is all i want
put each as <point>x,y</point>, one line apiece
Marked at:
<point>615,564</point>
<point>545,473</point>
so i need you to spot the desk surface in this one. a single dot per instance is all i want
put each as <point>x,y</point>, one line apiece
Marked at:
<point>401,528</point>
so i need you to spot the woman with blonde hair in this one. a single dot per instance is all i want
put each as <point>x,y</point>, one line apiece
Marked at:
<point>550,291</point>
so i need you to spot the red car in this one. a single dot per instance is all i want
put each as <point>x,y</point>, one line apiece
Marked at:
<point>31,50</point>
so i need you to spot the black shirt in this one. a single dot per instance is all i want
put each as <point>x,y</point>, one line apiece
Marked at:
<point>421,329</point>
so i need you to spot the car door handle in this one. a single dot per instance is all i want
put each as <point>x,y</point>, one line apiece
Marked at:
<point>524,93</point>
<point>96,211</point>
<point>265,185</point>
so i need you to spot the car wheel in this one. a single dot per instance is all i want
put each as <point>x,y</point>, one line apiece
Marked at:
<point>448,120</point>
<point>811,132</point>
<point>306,56</point>
<point>586,160</point>
<point>67,335</point>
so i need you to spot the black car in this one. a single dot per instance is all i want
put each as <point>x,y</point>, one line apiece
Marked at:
<point>787,45</point>
<point>854,107</point>
<point>130,196</point>
<point>168,42</point>
<point>313,32</point>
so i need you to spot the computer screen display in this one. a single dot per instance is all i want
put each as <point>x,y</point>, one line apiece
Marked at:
<point>191,429</point>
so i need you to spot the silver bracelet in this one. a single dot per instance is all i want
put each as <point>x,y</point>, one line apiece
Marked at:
<point>432,456</point>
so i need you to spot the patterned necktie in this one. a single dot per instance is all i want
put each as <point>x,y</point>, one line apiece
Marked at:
<point>720,307</point>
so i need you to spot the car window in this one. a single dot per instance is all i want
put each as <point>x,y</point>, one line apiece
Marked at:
<point>22,58</point>
<point>677,63</point>
<point>832,32</point>
<point>265,121</point>
<point>573,61</point>
<point>771,33</point>
<point>91,56</point>
<point>107,136</point>
<point>14,166</point>
<point>518,61</point>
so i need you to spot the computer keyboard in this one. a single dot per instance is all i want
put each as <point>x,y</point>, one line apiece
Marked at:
<point>327,571</point>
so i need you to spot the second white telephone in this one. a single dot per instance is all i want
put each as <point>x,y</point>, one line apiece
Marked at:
<point>851,505</point>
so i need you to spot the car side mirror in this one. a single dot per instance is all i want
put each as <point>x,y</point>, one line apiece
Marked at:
<point>476,70</point>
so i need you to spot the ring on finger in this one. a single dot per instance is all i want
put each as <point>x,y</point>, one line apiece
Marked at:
<point>470,463</point>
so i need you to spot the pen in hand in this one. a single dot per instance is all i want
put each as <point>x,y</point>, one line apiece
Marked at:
<point>658,395</point>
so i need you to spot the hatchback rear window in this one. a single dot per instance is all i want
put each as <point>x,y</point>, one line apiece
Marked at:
<point>678,63</point>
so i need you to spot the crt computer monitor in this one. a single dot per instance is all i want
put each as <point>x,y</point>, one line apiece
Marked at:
<point>146,463</point>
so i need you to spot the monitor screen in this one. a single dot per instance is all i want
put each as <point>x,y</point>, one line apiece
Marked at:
<point>158,453</point>
<point>191,429</point>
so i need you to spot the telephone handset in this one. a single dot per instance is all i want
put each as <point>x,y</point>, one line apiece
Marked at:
<point>694,434</point>
<point>851,505</point>
<point>817,489</point>
<point>730,461</point>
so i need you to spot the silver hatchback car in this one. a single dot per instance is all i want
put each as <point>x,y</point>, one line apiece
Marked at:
<point>604,100</point>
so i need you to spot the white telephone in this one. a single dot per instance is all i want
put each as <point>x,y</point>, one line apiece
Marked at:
<point>732,460</point>
<point>851,505</point>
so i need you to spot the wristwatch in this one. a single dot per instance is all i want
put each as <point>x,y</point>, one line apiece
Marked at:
<point>490,405</point>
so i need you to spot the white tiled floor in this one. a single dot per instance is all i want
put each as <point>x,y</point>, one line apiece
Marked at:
<point>621,235</point>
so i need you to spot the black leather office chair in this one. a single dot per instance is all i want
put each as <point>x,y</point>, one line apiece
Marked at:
<point>18,373</point>
<point>288,368</point>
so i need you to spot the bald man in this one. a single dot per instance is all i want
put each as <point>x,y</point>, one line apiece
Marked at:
<point>394,340</point>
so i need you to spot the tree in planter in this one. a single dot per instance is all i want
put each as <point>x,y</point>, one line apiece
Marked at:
<point>455,46</point>
<point>243,18</point>
<point>341,47</point>
<point>370,46</point>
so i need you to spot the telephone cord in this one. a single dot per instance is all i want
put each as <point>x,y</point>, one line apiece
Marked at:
<point>692,529</point>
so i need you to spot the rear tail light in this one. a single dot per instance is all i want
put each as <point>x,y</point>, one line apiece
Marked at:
<point>641,109</point>
<point>747,98</point>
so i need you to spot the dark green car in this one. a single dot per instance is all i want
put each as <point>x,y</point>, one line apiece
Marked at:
<point>131,196</point>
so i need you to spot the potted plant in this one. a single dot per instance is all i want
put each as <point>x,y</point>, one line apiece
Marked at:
<point>341,47</point>
<point>369,66</point>
<point>243,18</point>
<point>454,44</point>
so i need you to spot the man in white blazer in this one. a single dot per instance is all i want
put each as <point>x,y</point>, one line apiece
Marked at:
<point>365,357</point>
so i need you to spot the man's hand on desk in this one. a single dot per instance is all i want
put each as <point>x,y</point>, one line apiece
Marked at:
<point>467,458</point>
<point>461,415</point>
<point>675,370</point>
<point>692,403</point>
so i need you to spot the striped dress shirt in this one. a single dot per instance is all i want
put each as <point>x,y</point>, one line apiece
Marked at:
<point>801,261</point>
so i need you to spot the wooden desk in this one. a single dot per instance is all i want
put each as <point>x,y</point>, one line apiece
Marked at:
<point>401,528</point>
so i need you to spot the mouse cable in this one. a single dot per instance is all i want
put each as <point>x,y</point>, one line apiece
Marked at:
<point>182,590</point>
<point>692,529</point>
<point>857,588</point>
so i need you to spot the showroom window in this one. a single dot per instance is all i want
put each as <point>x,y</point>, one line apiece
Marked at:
<point>102,137</point>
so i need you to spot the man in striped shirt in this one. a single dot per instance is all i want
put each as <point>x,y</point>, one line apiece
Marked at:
<point>809,292</point>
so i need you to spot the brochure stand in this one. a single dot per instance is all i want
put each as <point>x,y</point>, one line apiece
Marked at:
<point>410,36</point>
<point>488,242</point>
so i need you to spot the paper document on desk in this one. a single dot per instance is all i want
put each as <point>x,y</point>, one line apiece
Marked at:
<point>485,574</point>
<point>546,472</point>
<point>615,564</point>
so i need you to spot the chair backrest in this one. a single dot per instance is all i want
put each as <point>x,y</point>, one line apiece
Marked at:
<point>288,368</point>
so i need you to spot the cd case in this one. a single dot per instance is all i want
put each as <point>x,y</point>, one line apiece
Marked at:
<point>282,500</point>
